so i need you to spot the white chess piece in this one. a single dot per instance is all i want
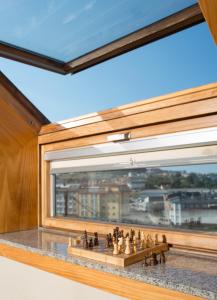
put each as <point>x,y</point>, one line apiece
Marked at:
<point>127,249</point>
<point>120,244</point>
<point>115,251</point>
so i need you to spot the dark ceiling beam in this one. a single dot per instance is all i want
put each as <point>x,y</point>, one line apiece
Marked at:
<point>160,29</point>
<point>31,58</point>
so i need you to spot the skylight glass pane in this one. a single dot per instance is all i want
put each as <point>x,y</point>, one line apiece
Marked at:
<point>68,29</point>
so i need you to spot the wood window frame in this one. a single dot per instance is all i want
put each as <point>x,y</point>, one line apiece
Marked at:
<point>176,22</point>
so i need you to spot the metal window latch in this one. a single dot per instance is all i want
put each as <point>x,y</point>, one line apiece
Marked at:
<point>118,137</point>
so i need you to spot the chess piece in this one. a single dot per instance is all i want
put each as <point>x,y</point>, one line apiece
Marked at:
<point>153,259</point>
<point>164,239</point>
<point>90,243</point>
<point>70,242</point>
<point>134,240</point>
<point>162,257</point>
<point>127,249</point>
<point>110,239</point>
<point>139,235</point>
<point>156,242</point>
<point>148,241</point>
<point>96,240</point>
<point>120,244</point>
<point>107,241</point>
<point>85,243</point>
<point>151,241</point>
<point>142,241</point>
<point>115,251</point>
<point>142,236</point>
<point>134,249</point>
<point>131,235</point>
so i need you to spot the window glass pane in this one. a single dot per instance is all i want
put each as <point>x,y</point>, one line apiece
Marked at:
<point>68,29</point>
<point>177,197</point>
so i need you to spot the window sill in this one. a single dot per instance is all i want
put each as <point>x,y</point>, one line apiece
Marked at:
<point>184,276</point>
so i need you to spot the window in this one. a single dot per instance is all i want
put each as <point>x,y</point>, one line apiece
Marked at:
<point>168,188</point>
<point>176,196</point>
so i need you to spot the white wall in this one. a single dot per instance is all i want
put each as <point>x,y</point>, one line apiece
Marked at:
<point>21,282</point>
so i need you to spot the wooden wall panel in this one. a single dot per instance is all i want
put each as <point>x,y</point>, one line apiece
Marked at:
<point>209,10</point>
<point>19,127</point>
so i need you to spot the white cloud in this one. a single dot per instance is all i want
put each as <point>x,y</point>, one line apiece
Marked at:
<point>69,18</point>
<point>90,5</point>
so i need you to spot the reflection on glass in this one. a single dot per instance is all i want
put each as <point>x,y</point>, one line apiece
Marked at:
<point>183,196</point>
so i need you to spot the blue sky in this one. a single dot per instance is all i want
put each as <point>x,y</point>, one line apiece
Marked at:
<point>184,60</point>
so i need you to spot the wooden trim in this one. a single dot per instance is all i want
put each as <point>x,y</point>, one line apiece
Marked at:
<point>31,58</point>
<point>135,290</point>
<point>209,10</point>
<point>150,118</point>
<point>175,107</point>
<point>173,99</point>
<point>171,127</point>
<point>167,26</point>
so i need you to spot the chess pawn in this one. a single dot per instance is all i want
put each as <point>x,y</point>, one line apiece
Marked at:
<point>85,243</point>
<point>70,242</point>
<point>96,240</point>
<point>107,241</point>
<point>142,236</point>
<point>115,251</point>
<point>156,239</point>
<point>148,241</point>
<point>134,241</point>
<point>164,239</point>
<point>127,249</point>
<point>139,235</point>
<point>120,244</point>
<point>151,241</point>
<point>90,243</point>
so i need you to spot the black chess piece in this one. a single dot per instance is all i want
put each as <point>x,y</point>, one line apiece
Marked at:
<point>85,243</point>
<point>164,239</point>
<point>139,235</point>
<point>110,240</point>
<point>131,235</point>
<point>107,241</point>
<point>153,259</point>
<point>162,258</point>
<point>90,244</point>
<point>85,234</point>
<point>96,240</point>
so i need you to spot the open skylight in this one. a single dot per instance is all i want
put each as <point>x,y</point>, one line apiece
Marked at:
<point>55,34</point>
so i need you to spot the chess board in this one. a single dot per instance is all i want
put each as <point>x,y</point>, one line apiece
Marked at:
<point>103,254</point>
